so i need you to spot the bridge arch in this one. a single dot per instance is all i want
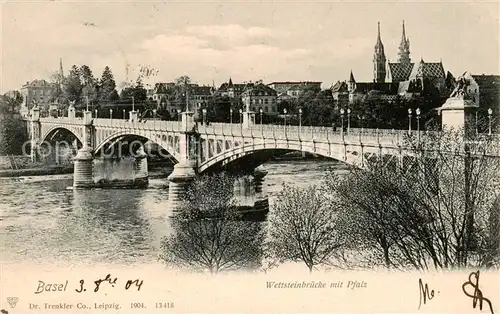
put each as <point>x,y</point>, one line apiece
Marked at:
<point>168,142</point>
<point>50,132</point>
<point>352,158</point>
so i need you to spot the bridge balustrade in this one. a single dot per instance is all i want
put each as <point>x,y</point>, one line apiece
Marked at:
<point>365,136</point>
<point>149,125</point>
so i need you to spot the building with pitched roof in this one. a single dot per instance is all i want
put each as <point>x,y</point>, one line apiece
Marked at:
<point>260,96</point>
<point>340,93</point>
<point>228,89</point>
<point>36,91</point>
<point>171,97</point>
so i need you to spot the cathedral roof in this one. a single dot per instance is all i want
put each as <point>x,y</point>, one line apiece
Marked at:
<point>363,88</point>
<point>400,71</point>
<point>428,69</point>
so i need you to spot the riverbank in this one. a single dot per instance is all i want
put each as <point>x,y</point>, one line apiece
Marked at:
<point>41,171</point>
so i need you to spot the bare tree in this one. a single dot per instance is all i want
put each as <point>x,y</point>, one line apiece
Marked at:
<point>435,211</point>
<point>301,227</point>
<point>209,234</point>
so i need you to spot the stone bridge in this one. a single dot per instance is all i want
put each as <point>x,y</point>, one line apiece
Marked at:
<point>199,148</point>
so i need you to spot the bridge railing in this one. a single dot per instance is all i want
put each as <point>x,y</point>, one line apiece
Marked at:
<point>303,133</point>
<point>149,125</point>
<point>389,137</point>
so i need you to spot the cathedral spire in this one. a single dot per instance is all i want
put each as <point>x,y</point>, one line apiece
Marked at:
<point>404,48</point>
<point>379,41</point>
<point>379,60</point>
<point>404,34</point>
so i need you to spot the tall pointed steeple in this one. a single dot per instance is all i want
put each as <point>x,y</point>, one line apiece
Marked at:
<point>404,48</point>
<point>379,60</point>
<point>352,83</point>
<point>61,72</point>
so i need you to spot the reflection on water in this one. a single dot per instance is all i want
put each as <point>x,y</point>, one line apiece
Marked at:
<point>43,220</point>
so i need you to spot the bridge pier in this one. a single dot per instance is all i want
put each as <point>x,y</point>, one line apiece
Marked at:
<point>83,161</point>
<point>258,177</point>
<point>83,164</point>
<point>184,171</point>
<point>179,180</point>
<point>35,133</point>
<point>141,168</point>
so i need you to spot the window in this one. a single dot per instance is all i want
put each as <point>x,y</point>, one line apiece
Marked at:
<point>266,109</point>
<point>260,101</point>
<point>254,101</point>
<point>266,101</point>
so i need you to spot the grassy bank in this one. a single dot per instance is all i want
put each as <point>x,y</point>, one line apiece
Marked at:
<point>14,166</point>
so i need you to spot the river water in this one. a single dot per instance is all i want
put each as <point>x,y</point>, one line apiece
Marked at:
<point>43,220</point>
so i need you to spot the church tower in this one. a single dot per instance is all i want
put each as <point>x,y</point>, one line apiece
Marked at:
<point>404,48</point>
<point>352,83</point>
<point>379,60</point>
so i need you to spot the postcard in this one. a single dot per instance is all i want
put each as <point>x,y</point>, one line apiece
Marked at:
<point>249,157</point>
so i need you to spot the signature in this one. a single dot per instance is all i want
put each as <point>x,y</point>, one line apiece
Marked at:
<point>477,296</point>
<point>424,293</point>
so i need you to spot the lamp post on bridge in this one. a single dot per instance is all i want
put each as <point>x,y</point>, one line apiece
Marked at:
<point>231,115</point>
<point>241,121</point>
<point>475,122</point>
<point>300,121</point>
<point>489,120</point>
<point>417,112</point>
<point>133,103</point>
<point>261,126</point>
<point>95,113</point>
<point>342,121</point>
<point>204,111</point>
<point>87,97</point>
<point>154,119</point>
<point>284,112</point>
<point>348,120</point>
<point>110,114</point>
<point>123,114</point>
<point>409,121</point>
<point>178,118</point>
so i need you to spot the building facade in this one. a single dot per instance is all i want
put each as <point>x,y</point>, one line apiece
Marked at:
<point>36,91</point>
<point>171,97</point>
<point>258,97</point>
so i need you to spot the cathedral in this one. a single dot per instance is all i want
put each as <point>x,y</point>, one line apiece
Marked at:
<point>403,78</point>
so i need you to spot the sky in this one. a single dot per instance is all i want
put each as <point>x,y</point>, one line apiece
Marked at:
<point>247,41</point>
